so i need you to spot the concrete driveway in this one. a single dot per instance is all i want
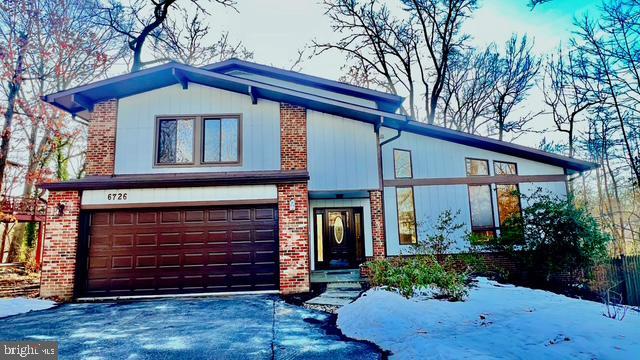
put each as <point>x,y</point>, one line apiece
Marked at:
<point>233,327</point>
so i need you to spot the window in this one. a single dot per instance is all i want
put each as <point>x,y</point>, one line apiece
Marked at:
<point>221,139</point>
<point>175,141</point>
<point>406,216</point>
<point>477,167</point>
<point>215,140</point>
<point>402,164</point>
<point>481,210</point>
<point>508,201</point>
<point>505,168</point>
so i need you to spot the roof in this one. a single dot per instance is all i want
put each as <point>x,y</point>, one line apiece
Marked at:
<point>80,100</point>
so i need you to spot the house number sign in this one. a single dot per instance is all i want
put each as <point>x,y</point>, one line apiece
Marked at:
<point>117,196</point>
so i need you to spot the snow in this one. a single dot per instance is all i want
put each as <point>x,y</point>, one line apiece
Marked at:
<point>495,321</point>
<point>14,306</point>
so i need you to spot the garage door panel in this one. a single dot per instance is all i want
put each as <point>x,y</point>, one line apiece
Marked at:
<point>136,252</point>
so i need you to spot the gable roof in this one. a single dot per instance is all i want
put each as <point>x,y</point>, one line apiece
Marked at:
<point>80,101</point>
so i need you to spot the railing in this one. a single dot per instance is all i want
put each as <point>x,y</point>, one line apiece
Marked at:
<point>16,206</point>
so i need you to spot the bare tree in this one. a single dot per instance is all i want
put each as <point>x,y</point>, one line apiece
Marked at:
<point>142,19</point>
<point>516,72</point>
<point>186,41</point>
<point>469,83</point>
<point>567,93</point>
<point>405,53</point>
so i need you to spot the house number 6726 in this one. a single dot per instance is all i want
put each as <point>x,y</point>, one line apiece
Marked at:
<point>116,196</point>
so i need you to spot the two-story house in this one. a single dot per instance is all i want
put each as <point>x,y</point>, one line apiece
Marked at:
<point>243,177</point>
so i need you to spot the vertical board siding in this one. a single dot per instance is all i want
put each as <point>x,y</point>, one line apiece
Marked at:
<point>338,203</point>
<point>434,158</point>
<point>342,153</point>
<point>135,136</point>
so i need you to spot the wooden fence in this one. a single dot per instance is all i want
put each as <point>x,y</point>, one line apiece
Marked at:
<point>622,276</point>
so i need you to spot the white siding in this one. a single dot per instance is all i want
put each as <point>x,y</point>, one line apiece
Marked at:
<point>342,153</point>
<point>434,158</point>
<point>135,134</point>
<point>366,214</point>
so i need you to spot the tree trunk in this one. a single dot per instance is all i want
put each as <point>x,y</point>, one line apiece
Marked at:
<point>14,89</point>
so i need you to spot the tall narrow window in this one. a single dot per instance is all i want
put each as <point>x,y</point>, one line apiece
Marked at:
<point>481,210</point>
<point>477,167</point>
<point>406,216</point>
<point>175,141</point>
<point>508,201</point>
<point>319,239</point>
<point>402,164</point>
<point>221,140</point>
<point>508,195</point>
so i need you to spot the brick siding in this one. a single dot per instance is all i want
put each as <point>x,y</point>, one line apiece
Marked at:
<point>60,246</point>
<point>293,224</point>
<point>101,140</point>
<point>377,224</point>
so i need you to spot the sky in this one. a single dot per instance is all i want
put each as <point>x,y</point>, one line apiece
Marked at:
<point>276,29</point>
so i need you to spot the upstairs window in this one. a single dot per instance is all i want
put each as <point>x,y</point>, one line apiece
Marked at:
<point>402,164</point>
<point>221,140</point>
<point>477,167</point>
<point>198,141</point>
<point>175,141</point>
<point>505,168</point>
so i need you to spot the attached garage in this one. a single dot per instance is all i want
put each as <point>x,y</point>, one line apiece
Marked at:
<point>179,250</point>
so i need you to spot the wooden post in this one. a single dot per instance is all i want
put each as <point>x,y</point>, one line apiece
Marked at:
<point>40,244</point>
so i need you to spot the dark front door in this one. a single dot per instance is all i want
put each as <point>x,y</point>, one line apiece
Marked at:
<point>339,241</point>
<point>184,250</point>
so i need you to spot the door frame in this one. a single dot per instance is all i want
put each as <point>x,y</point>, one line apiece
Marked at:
<point>358,244</point>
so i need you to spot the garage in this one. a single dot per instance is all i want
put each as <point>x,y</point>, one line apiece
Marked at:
<point>179,250</point>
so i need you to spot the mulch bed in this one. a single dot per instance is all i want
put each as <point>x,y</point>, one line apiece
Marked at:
<point>16,281</point>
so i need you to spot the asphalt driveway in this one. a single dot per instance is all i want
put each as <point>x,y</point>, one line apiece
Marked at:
<point>234,327</point>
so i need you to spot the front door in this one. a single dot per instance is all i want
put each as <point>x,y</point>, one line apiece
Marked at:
<point>338,235</point>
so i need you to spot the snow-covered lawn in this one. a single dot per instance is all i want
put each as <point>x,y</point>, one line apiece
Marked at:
<point>16,306</point>
<point>496,321</point>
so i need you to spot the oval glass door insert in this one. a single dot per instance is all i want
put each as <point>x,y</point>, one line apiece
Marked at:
<point>338,229</point>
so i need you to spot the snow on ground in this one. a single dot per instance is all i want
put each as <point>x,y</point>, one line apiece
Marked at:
<point>16,306</point>
<point>496,321</point>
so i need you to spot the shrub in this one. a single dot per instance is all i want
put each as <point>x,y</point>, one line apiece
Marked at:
<point>553,235</point>
<point>406,275</point>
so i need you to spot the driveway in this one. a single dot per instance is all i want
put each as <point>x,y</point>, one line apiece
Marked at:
<point>233,327</point>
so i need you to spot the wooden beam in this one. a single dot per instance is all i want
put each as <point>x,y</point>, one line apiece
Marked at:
<point>477,180</point>
<point>82,101</point>
<point>182,79</point>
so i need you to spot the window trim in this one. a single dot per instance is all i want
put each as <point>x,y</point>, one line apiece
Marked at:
<point>492,228</point>
<point>505,162</point>
<point>466,171</point>
<point>395,173</point>
<point>198,140</point>
<point>415,223</point>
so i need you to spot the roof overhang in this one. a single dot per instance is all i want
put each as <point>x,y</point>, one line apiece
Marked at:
<point>80,100</point>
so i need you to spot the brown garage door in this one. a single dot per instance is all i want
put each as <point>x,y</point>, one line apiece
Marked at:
<point>165,251</point>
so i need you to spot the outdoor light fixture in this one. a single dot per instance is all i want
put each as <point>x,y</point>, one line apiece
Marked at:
<point>292,205</point>
<point>61,207</point>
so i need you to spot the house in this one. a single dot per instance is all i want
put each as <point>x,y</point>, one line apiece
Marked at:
<point>241,177</point>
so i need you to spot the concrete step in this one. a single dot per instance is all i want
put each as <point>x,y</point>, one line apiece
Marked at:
<point>329,301</point>
<point>346,286</point>
<point>342,294</point>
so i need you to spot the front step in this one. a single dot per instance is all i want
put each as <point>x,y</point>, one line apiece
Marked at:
<point>336,295</point>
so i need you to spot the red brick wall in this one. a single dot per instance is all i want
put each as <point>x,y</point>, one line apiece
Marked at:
<point>101,142</point>
<point>293,137</point>
<point>294,238</point>
<point>293,224</point>
<point>377,224</point>
<point>60,246</point>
